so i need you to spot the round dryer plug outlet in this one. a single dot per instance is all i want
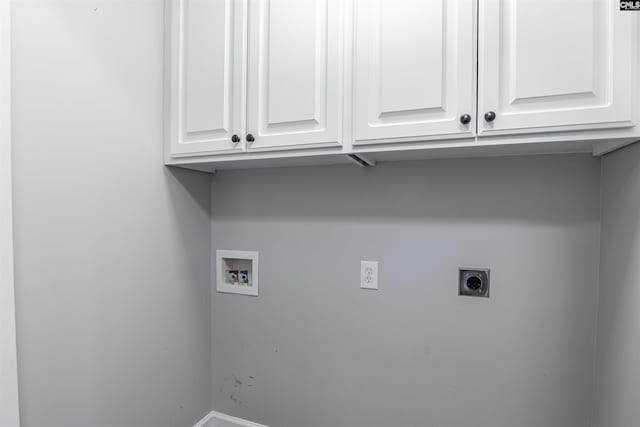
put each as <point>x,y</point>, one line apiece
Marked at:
<point>473,282</point>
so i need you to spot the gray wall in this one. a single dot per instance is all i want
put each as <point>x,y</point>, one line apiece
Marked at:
<point>112,249</point>
<point>313,350</point>
<point>618,383</point>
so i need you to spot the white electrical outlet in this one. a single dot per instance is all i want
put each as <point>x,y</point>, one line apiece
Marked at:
<point>369,274</point>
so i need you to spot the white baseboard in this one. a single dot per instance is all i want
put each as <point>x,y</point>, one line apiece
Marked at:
<point>216,419</point>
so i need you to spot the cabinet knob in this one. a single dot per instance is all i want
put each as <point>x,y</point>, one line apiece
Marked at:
<point>489,116</point>
<point>465,119</point>
<point>235,139</point>
<point>250,138</point>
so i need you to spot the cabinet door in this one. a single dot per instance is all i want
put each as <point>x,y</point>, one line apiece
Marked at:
<point>295,73</point>
<point>414,68</point>
<point>205,98</point>
<point>549,65</point>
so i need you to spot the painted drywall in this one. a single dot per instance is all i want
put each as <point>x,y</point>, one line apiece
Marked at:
<point>618,372</point>
<point>112,248</point>
<point>314,350</point>
<point>9,412</point>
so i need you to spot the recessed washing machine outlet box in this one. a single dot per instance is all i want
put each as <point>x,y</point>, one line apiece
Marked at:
<point>474,282</point>
<point>237,272</point>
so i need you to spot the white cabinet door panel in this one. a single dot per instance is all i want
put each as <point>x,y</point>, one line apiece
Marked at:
<point>295,73</point>
<point>545,64</point>
<point>414,68</point>
<point>206,93</point>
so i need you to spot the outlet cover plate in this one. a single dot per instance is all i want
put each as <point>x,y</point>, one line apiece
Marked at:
<point>474,282</point>
<point>369,275</point>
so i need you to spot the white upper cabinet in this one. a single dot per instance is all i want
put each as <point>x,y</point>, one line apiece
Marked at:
<point>206,99</point>
<point>251,79</point>
<point>414,69</point>
<point>547,65</point>
<point>295,73</point>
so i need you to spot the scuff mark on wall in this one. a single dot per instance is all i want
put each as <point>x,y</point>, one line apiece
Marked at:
<point>233,387</point>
